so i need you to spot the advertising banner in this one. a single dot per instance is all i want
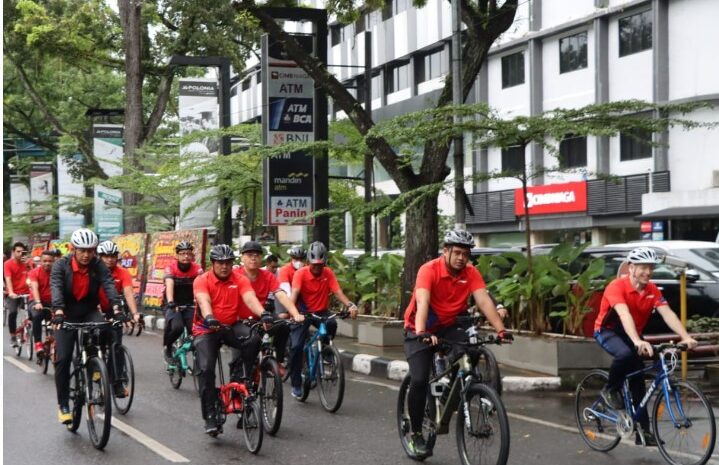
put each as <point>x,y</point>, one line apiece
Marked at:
<point>63,246</point>
<point>199,109</point>
<point>108,212</point>
<point>108,149</point>
<point>552,198</point>
<point>132,257</point>
<point>288,94</point>
<point>41,189</point>
<point>19,204</point>
<point>68,189</point>
<point>161,252</point>
<point>37,248</point>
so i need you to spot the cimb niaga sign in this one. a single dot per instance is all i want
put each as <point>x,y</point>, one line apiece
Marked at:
<point>553,198</point>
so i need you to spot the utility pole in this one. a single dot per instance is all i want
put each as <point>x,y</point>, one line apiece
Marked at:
<point>368,163</point>
<point>458,99</point>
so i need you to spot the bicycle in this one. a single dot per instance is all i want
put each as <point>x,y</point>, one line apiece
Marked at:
<point>120,365</point>
<point>268,378</point>
<point>482,427</point>
<point>681,415</point>
<point>239,397</point>
<point>486,366</point>
<point>90,383</point>
<point>23,332</point>
<point>183,356</point>
<point>48,343</point>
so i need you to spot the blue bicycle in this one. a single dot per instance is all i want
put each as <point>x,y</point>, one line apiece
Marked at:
<point>322,366</point>
<point>682,417</point>
<point>183,359</point>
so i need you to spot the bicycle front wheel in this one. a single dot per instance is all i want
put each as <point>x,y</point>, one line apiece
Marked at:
<point>99,407</point>
<point>404,428</point>
<point>252,424</point>
<point>684,426</point>
<point>488,369</point>
<point>331,378</point>
<point>77,396</point>
<point>306,377</point>
<point>174,370</point>
<point>28,340</point>
<point>124,382</point>
<point>271,395</point>
<point>483,436</point>
<point>597,431</point>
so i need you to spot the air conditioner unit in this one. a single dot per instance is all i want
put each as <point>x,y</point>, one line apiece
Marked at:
<point>715,178</point>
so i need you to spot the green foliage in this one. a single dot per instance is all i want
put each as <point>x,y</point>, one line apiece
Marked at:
<point>703,324</point>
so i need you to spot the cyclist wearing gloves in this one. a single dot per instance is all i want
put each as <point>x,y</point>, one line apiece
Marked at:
<point>15,273</point>
<point>39,280</point>
<point>626,306</point>
<point>75,283</point>
<point>219,293</point>
<point>313,284</point>
<point>440,295</point>
<point>298,255</point>
<point>179,277</point>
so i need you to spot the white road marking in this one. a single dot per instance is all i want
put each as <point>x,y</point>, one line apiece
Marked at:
<point>374,383</point>
<point>18,364</point>
<point>147,441</point>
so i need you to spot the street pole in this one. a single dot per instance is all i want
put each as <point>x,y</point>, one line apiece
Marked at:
<point>458,99</point>
<point>368,164</point>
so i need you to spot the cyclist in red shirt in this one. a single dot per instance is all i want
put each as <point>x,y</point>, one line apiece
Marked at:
<point>298,255</point>
<point>313,284</point>
<point>39,279</point>
<point>626,306</point>
<point>179,276</point>
<point>219,293</point>
<point>15,274</point>
<point>440,295</point>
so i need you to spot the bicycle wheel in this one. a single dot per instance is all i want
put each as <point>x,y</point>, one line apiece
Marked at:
<point>252,424</point>
<point>484,437</point>
<point>404,426</point>
<point>77,396</point>
<point>28,340</point>
<point>286,361</point>
<point>689,438</point>
<point>331,378</point>
<point>125,378</point>
<point>99,407</point>
<point>192,362</point>
<point>306,378</point>
<point>488,370</point>
<point>174,371</point>
<point>598,432</point>
<point>271,395</point>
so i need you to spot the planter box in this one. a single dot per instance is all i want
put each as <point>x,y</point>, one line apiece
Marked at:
<point>347,327</point>
<point>381,333</point>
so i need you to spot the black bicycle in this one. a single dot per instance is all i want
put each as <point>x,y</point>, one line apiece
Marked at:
<point>482,427</point>
<point>121,369</point>
<point>269,380</point>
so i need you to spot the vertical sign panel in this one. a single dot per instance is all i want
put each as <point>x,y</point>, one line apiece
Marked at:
<point>41,189</point>
<point>68,190</point>
<point>19,204</point>
<point>108,149</point>
<point>288,95</point>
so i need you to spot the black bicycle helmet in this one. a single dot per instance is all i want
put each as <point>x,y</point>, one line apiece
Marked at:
<point>317,253</point>
<point>184,245</point>
<point>221,252</point>
<point>458,237</point>
<point>252,246</point>
<point>297,252</point>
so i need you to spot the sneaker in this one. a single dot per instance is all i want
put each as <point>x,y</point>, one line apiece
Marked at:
<point>297,392</point>
<point>120,391</point>
<point>212,426</point>
<point>649,439</point>
<point>418,446</point>
<point>64,415</point>
<point>612,397</point>
<point>39,349</point>
<point>167,352</point>
<point>13,341</point>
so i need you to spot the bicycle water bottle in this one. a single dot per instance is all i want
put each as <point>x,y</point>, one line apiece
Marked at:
<point>440,363</point>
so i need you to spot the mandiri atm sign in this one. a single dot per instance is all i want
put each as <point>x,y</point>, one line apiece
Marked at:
<point>553,198</point>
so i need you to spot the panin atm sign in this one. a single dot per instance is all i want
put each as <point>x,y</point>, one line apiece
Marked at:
<point>290,210</point>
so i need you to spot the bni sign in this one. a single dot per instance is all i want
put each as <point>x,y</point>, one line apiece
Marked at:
<point>288,95</point>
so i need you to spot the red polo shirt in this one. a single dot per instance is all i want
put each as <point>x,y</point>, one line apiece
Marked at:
<point>448,294</point>
<point>264,284</point>
<point>122,279</point>
<point>315,291</point>
<point>42,278</point>
<point>17,272</point>
<point>641,304</point>
<point>286,273</point>
<point>225,297</point>
<point>80,280</point>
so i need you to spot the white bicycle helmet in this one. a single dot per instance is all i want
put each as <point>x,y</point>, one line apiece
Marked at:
<point>458,237</point>
<point>107,248</point>
<point>84,239</point>
<point>643,255</point>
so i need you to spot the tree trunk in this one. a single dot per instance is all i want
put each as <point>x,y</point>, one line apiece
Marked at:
<point>131,18</point>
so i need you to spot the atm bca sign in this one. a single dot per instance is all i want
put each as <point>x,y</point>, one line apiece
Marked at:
<point>290,210</point>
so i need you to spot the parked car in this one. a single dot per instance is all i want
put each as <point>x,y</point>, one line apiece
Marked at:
<point>702,278</point>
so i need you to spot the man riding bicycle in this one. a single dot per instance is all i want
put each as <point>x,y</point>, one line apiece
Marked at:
<point>440,294</point>
<point>219,293</point>
<point>39,279</point>
<point>298,255</point>
<point>626,306</point>
<point>179,277</point>
<point>313,285</point>
<point>15,273</point>
<point>75,283</point>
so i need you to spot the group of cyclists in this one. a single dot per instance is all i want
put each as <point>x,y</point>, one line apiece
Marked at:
<point>215,306</point>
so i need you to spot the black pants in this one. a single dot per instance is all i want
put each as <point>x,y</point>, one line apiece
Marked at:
<point>37,317</point>
<point>298,334</point>
<point>64,347</point>
<point>12,306</point>
<point>175,322</point>
<point>420,359</point>
<point>208,345</point>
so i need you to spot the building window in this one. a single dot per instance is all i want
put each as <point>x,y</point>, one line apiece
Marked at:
<point>635,144</point>
<point>246,84</point>
<point>573,53</point>
<point>399,5</point>
<point>433,65</point>
<point>635,33</point>
<point>573,152</point>
<point>375,17</point>
<point>513,159</point>
<point>361,23</point>
<point>338,34</point>
<point>259,77</point>
<point>513,70</point>
<point>387,10</point>
<point>376,86</point>
<point>398,78</point>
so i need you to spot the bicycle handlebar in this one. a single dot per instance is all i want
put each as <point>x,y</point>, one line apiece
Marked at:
<point>342,315</point>
<point>489,339</point>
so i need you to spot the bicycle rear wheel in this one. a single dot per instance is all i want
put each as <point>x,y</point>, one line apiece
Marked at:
<point>331,378</point>
<point>689,440</point>
<point>99,407</point>
<point>174,370</point>
<point>306,378</point>
<point>488,369</point>
<point>124,377</point>
<point>252,424</point>
<point>484,439</point>
<point>271,395</point>
<point>404,426</point>
<point>77,396</point>
<point>28,340</point>
<point>598,432</point>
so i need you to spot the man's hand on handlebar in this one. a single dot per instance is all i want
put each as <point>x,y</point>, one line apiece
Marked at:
<point>428,338</point>
<point>505,336</point>
<point>211,322</point>
<point>353,310</point>
<point>266,318</point>
<point>644,348</point>
<point>690,342</point>
<point>58,319</point>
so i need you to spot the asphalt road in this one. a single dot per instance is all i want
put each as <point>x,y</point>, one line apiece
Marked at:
<point>165,425</point>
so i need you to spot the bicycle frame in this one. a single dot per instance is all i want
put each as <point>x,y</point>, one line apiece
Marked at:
<point>313,351</point>
<point>447,403</point>
<point>232,393</point>
<point>181,352</point>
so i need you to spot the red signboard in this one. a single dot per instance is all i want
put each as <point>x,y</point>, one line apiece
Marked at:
<point>553,198</point>
<point>645,226</point>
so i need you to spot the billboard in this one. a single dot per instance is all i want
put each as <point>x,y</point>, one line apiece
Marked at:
<point>63,246</point>
<point>68,189</point>
<point>108,212</point>
<point>19,204</point>
<point>41,190</point>
<point>553,198</point>
<point>132,249</point>
<point>108,149</point>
